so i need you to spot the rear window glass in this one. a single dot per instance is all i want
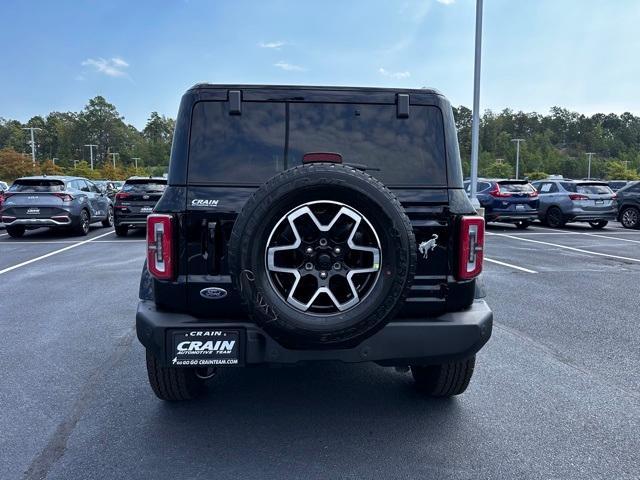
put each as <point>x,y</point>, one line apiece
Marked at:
<point>37,186</point>
<point>251,147</point>
<point>597,189</point>
<point>144,186</point>
<point>243,149</point>
<point>407,151</point>
<point>516,187</point>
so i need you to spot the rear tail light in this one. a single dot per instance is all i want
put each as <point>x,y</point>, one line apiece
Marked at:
<point>160,246</point>
<point>533,194</point>
<point>470,247</point>
<point>64,196</point>
<point>121,196</point>
<point>577,196</point>
<point>495,192</point>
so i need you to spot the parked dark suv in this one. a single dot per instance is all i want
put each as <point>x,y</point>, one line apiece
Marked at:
<point>629,205</point>
<point>135,201</point>
<point>508,201</point>
<point>55,202</point>
<point>308,224</point>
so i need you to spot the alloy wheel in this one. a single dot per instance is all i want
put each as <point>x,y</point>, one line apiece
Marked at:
<point>323,257</point>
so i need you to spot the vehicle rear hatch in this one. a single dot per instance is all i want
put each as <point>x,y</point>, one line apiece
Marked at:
<point>517,196</point>
<point>593,197</point>
<point>35,198</point>
<point>232,152</point>
<point>138,196</point>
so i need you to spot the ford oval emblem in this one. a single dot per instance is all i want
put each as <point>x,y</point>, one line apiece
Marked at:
<point>213,293</point>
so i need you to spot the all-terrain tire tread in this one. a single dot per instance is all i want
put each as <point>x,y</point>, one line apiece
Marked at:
<point>445,380</point>
<point>170,383</point>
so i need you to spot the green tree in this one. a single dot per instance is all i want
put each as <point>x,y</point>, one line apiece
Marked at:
<point>498,170</point>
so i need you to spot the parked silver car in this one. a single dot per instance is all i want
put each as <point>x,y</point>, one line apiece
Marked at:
<point>564,201</point>
<point>54,201</point>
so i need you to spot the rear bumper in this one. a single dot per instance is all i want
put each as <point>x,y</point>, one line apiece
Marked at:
<point>132,220</point>
<point>511,216</point>
<point>449,337</point>
<point>585,216</point>
<point>58,221</point>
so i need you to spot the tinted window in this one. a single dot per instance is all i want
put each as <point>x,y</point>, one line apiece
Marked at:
<point>516,187</point>
<point>144,186</point>
<point>479,187</point>
<point>407,151</point>
<point>597,189</point>
<point>244,149</point>
<point>617,185</point>
<point>37,186</point>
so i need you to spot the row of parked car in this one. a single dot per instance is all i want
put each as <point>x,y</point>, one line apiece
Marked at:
<point>558,201</point>
<point>74,203</point>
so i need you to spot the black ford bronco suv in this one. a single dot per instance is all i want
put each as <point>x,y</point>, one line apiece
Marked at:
<point>308,224</point>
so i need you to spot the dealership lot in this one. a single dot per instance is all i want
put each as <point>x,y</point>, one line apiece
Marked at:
<point>556,393</point>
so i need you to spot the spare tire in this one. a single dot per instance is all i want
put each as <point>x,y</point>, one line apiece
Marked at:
<point>322,255</point>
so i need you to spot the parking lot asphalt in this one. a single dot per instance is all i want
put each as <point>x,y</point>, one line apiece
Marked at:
<point>556,393</point>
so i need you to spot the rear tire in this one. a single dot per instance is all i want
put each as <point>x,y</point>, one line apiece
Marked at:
<point>173,384</point>
<point>630,217</point>
<point>445,380</point>
<point>554,218</point>
<point>122,230</point>
<point>522,225</point>
<point>82,228</point>
<point>108,222</point>
<point>15,231</point>
<point>598,225</point>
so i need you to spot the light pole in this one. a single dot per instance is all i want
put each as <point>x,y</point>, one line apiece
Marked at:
<point>32,142</point>
<point>475,121</point>
<point>135,159</point>
<point>113,156</point>
<point>91,148</point>
<point>517,140</point>
<point>589,154</point>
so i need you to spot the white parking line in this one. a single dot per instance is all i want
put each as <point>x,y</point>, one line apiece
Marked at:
<point>546,231</point>
<point>612,238</point>
<point>58,242</point>
<point>574,249</point>
<point>55,252</point>
<point>505,264</point>
<point>3,234</point>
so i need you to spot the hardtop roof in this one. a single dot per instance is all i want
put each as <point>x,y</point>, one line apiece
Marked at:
<point>222,86</point>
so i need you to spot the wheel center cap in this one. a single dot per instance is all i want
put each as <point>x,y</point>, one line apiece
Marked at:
<point>324,261</point>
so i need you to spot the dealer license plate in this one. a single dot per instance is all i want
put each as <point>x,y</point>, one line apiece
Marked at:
<point>206,348</point>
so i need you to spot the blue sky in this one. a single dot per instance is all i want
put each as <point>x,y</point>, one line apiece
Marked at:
<point>142,55</point>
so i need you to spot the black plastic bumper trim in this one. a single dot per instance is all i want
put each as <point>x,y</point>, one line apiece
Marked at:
<point>449,337</point>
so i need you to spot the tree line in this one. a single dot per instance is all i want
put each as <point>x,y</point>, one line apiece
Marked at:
<point>62,139</point>
<point>556,143</point>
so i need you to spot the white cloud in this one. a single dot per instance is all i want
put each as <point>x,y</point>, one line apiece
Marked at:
<point>446,2</point>
<point>113,67</point>
<point>396,75</point>
<point>275,45</point>
<point>289,67</point>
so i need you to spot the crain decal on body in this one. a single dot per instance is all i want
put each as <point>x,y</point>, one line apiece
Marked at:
<point>199,202</point>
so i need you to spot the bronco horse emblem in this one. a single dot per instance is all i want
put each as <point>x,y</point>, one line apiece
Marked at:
<point>428,245</point>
